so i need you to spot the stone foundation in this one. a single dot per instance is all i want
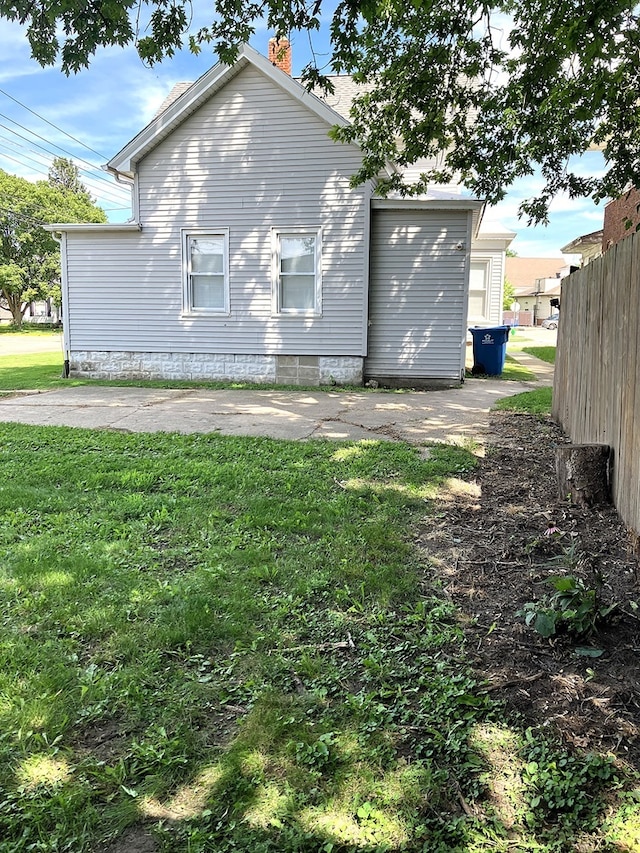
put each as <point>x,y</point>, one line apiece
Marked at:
<point>274,369</point>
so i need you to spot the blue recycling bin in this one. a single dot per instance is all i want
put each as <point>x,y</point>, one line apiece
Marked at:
<point>489,349</point>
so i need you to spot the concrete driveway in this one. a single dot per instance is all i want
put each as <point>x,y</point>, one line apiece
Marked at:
<point>419,417</point>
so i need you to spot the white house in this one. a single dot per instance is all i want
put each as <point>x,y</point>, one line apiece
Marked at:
<point>249,257</point>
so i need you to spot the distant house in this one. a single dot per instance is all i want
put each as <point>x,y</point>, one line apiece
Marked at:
<point>41,311</point>
<point>588,246</point>
<point>536,281</point>
<point>250,257</point>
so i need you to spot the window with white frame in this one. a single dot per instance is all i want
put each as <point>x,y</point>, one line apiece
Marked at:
<point>296,274</point>
<point>478,283</point>
<point>206,272</point>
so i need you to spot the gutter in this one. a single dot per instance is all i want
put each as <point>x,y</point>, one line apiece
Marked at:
<point>69,227</point>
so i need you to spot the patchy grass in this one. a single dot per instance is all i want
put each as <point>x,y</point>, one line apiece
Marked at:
<point>231,644</point>
<point>513,371</point>
<point>536,402</point>
<point>547,354</point>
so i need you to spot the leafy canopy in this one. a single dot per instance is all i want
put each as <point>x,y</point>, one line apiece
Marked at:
<point>29,255</point>
<point>508,295</point>
<point>65,175</point>
<point>437,77</point>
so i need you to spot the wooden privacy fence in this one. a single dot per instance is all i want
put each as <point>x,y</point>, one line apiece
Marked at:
<point>596,393</point>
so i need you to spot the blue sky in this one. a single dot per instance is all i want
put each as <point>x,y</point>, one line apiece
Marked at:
<point>105,105</point>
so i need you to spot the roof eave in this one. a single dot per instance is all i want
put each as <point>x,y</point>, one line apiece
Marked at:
<point>428,203</point>
<point>473,205</point>
<point>64,227</point>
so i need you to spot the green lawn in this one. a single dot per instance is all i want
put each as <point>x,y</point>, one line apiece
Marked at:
<point>231,644</point>
<point>38,371</point>
<point>547,354</point>
<point>537,402</point>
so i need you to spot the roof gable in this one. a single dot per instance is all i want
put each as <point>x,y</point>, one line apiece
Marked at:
<point>192,98</point>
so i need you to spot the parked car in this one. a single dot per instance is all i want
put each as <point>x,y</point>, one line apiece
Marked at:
<point>551,322</point>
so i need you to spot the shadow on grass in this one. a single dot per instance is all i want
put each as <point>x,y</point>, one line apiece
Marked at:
<point>277,669</point>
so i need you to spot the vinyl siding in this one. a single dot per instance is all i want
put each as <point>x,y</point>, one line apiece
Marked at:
<point>483,251</point>
<point>418,295</point>
<point>250,159</point>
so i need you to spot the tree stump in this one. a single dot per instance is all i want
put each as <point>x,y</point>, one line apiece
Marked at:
<point>583,473</point>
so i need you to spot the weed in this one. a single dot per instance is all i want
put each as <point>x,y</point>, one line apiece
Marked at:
<point>561,786</point>
<point>574,607</point>
<point>235,638</point>
<point>316,754</point>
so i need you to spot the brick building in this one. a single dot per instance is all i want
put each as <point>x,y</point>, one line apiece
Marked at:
<point>621,217</point>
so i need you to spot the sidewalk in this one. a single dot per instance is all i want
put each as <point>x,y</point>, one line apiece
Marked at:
<point>16,344</point>
<point>542,369</point>
<point>458,415</point>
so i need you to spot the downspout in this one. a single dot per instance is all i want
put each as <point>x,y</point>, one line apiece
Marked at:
<point>126,181</point>
<point>61,238</point>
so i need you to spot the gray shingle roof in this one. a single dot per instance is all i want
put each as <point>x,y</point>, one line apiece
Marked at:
<point>174,94</point>
<point>345,90</point>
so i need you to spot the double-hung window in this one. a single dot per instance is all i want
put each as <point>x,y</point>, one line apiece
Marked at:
<point>479,277</point>
<point>206,272</point>
<point>297,285</point>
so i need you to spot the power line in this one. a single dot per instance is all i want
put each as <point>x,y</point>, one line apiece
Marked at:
<point>48,157</point>
<point>37,135</point>
<point>51,124</point>
<point>13,160</point>
<point>113,186</point>
<point>88,182</point>
<point>22,216</point>
<point>42,222</point>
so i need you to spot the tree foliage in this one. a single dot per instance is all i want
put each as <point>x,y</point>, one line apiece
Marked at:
<point>508,295</point>
<point>64,174</point>
<point>29,255</point>
<point>498,98</point>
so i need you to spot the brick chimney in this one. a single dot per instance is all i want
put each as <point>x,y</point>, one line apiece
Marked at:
<point>280,54</point>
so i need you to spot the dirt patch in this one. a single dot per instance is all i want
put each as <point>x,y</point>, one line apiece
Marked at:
<point>493,544</point>
<point>104,740</point>
<point>135,839</point>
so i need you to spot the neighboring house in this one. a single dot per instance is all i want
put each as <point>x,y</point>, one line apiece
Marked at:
<point>621,218</point>
<point>42,311</point>
<point>536,281</point>
<point>488,272</point>
<point>250,257</point>
<point>588,246</point>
